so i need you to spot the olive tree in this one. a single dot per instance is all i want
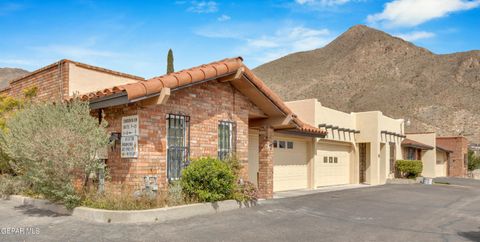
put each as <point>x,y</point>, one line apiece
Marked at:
<point>53,144</point>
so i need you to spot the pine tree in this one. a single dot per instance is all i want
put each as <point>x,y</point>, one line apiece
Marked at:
<point>170,68</point>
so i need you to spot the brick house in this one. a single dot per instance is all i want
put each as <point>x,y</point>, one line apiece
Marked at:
<point>458,163</point>
<point>162,123</point>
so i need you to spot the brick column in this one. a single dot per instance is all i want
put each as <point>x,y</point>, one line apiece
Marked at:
<point>265,163</point>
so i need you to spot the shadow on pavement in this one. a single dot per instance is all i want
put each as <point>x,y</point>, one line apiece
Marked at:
<point>32,211</point>
<point>470,235</point>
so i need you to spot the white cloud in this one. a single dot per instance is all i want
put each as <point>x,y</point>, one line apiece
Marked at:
<point>324,3</point>
<point>416,35</point>
<point>223,18</point>
<point>409,13</point>
<point>203,7</point>
<point>260,46</point>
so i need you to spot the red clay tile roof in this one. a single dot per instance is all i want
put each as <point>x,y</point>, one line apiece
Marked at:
<point>198,74</point>
<point>415,144</point>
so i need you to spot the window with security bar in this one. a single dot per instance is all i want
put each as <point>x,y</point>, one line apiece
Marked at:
<point>178,144</point>
<point>226,139</point>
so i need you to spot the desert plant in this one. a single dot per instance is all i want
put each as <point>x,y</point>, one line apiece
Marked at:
<point>208,180</point>
<point>125,199</point>
<point>51,145</point>
<point>10,185</point>
<point>175,194</point>
<point>246,192</point>
<point>409,168</point>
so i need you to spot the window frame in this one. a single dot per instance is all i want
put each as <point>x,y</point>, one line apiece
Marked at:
<point>226,145</point>
<point>179,141</point>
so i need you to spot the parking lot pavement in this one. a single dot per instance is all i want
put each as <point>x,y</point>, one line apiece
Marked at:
<point>382,213</point>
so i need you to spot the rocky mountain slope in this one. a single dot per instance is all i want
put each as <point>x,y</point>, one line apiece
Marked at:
<point>366,69</point>
<point>7,74</point>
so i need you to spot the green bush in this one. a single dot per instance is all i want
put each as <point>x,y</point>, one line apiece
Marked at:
<point>409,168</point>
<point>208,180</point>
<point>473,161</point>
<point>51,145</point>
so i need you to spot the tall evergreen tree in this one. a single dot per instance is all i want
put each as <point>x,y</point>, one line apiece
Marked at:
<point>170,68</point>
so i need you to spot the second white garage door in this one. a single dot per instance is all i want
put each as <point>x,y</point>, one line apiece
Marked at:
<point>332,165</point>
<point>290,165</point>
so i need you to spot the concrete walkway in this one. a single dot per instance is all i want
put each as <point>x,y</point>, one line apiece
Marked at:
<point>303,192</point>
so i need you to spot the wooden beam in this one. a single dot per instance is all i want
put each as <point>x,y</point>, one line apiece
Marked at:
<point>161,99</point>
<point>235,76</point>
<point>274,122</point>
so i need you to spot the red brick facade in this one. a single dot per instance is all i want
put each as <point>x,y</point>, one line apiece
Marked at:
<point>51,81</point>
<point>458,163</point>
<point>206,104</point>
<point>265,163</point>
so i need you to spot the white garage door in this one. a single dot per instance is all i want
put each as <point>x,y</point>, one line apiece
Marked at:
<point>290,165</point>
<point>332,165</point>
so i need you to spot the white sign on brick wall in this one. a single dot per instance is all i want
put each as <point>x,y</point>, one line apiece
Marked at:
<point>130,132</point>
<point>130,125</point>
<point>129,147</point>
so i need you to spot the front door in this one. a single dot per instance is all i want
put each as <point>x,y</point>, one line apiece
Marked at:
<point>362,162</point>
<point>392,158</point>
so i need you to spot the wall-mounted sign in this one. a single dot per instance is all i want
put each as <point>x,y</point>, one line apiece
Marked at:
<point>129,141</point>
<point>129,147</point>
<point>130,125</point>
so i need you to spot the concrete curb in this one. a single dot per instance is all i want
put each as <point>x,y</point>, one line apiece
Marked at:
<point>133,216</point>
<point>158,214</point>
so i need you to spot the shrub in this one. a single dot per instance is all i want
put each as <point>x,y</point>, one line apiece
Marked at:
<point>10,185</point>
<point>127,199</point>
<point>473,161</point>
<point>246,192</point>
<point>409,168</point>
<point>175,194</point>
<point>50,145</point>
<point>208,180</point>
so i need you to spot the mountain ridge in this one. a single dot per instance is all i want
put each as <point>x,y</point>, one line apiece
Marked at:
<point>366,69</point>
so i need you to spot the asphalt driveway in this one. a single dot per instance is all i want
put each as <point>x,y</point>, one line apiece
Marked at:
<point>382,213</point>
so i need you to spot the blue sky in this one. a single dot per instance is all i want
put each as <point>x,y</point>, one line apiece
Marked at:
<point>134,36</point>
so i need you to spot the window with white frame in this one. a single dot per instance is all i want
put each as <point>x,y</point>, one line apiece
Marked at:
<point>226,139</point>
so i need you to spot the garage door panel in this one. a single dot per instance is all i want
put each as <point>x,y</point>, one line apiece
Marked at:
<point>328,174</point>
<point>290,167</point>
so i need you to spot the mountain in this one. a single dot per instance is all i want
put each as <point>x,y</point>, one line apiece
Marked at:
<point>366,69</point>
<point>7,74</point>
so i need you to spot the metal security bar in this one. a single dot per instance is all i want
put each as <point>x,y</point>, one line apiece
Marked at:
<point>178,144</point>
<point>227,139</point>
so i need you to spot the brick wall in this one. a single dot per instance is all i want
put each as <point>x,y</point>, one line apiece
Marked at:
<point>206,104</point>
<point>459,146</point>
<point>51,81</point>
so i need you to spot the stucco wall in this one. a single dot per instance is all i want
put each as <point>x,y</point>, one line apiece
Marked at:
<point>83,80</point>
<point>429,157</point>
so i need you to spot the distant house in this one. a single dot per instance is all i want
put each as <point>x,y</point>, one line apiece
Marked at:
<point>458,163</point>
<point>424,146</point>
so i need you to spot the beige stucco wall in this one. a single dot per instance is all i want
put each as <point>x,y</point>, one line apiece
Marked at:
<point>429,157</point>
<point>83,80</point>
<point>370,124</point>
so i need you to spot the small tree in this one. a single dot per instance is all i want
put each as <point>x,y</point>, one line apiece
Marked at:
<point>170,67</point>
<point>8,106</point>
<point>52,144</point>
<point>473,161</point>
